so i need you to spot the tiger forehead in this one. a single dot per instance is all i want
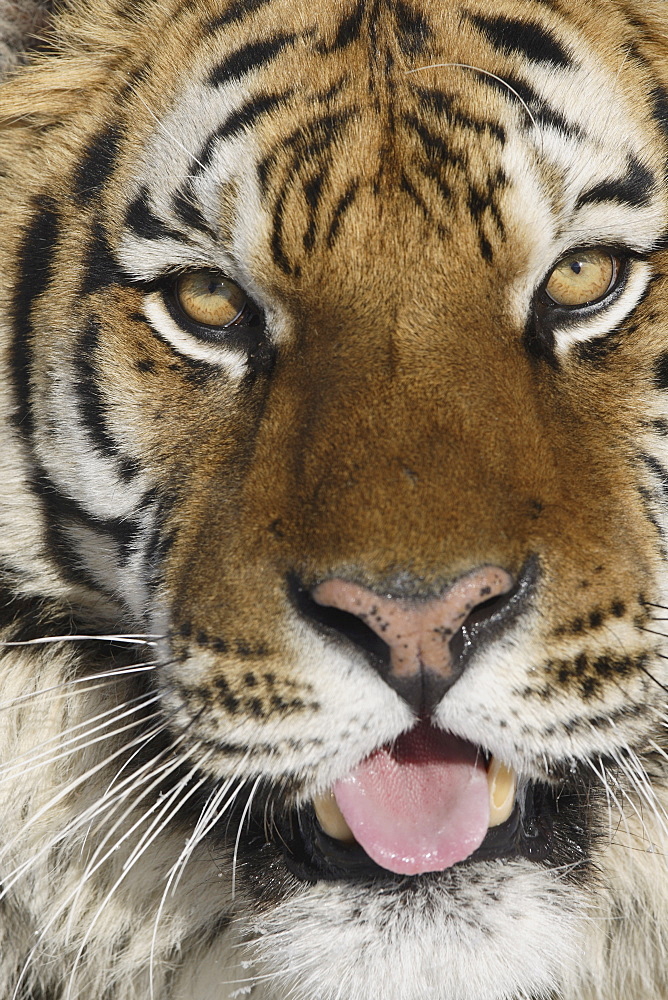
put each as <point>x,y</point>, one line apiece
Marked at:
<point>433,106</point>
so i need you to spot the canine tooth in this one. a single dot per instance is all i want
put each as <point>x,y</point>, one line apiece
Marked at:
<point>502,782</point>
<point>331,818</point>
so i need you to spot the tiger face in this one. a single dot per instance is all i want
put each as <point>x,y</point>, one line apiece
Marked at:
<point>334,366</point>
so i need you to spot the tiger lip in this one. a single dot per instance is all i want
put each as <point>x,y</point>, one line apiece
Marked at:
<point>501,782</point>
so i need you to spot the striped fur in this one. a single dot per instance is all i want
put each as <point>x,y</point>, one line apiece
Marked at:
<point>391,183</point>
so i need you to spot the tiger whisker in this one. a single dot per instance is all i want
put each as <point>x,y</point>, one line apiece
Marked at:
<point>166,768</point>
<point>653,632</point>
<point>605,778</point>
<point>81,819</point>
<point>639,778</point>
<point>210,815</point>
<point>244,815</point>
<point>110,676</point>
<point>164,817</point>
<point>651,676</point>
<point>131,639</point>
<point>54,800</point>
<point>74,894</point>
<point>634,785</point>
<point>484,72</point>
<point>120,788</point>
<point>51,749</point>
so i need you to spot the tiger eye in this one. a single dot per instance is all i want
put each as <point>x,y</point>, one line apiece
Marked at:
<point>209,298</point>
<point>582,277</point>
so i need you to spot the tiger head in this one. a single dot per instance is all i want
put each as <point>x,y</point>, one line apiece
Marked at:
<point>335,344</point>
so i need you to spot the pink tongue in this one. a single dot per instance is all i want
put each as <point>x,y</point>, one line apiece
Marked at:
<point>419,805</point>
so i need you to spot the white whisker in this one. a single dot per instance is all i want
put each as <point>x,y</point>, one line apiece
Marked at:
<point>53,801</point>
<point>73,895</point>
<point>111,676</point>
<point>165,815</point>
<point>484,72</point>
<point>52,750</point>
<point>244,814</point>
<point>130,639</point>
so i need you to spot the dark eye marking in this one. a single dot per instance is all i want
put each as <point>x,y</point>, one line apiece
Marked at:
<point>532,41</point>
<point>635,189</point>
<point>145,223</point>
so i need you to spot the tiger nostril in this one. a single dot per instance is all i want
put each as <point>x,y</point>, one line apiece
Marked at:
<point>345,623</point>
<point>419,647</point>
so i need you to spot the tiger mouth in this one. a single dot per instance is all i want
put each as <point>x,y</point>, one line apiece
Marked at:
<point>371,826</point>
<point>313,856</point>
<point>501,800</point>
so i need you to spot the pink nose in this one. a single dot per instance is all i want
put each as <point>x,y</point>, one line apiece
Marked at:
<point>418,633</point>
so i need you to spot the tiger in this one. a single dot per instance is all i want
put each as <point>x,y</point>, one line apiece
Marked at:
<point>334,500</point>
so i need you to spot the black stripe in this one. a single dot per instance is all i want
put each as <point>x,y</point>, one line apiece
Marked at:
<point>243,118</point>
<point>659,99</point>
<point>278,253</point>
<point>61,510</point>
<point>343,204</point>
<point>648,505</point>
<point>481,203</point>
<point>313,188</point>
<point>143,221</point>
<point>435,146</point>
<point>348,32</point>
<point>595,352</point>
<point>443,104</point>
<point>248,113</point>
<point>249,57</point>
<point>659,471</point>
<point>24,618</point>
<point>414,31</point>
<point>635,189</point>
<point>237,11</point>
<point>97,163</point>
<point>309,142</point>
<point>35,264</point>
<point>415,195</point>
<point>509,35</point>
<point>185,208</point>
<point>92,406</point>
<point>435,174</point>
<point>661,372</point>
<point>100,267</point>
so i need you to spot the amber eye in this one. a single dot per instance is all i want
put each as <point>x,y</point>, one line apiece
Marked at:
<point>583,277</point>
<point>209,298</point>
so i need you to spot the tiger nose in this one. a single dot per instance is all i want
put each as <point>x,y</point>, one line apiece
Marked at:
<point>419,647</point>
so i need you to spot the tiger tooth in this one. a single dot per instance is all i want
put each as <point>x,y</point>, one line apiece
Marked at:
<point>502,782</point>
<point>331,818</point>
